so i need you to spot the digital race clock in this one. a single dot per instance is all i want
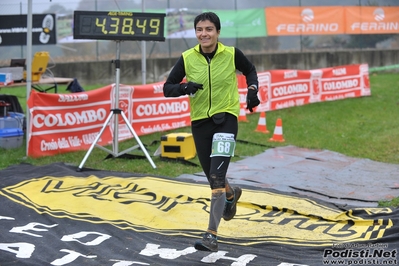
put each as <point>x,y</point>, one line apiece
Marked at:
<point>118,25</point>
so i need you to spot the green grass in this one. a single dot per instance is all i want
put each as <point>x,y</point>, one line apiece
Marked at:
<point>366,127</point>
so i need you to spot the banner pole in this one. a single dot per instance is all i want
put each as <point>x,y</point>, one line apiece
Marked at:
<point>28,72</point>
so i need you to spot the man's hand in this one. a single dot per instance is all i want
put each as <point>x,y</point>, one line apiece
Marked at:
<point>191,88</point>
<point>252,99</point>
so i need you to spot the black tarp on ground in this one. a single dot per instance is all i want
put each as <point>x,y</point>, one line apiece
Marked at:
<point>320,174</point>
<point>53,215</point>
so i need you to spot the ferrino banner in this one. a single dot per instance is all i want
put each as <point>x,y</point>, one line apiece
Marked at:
<point>372,20</point>
<point>331,20</point>
<point>68,122</point>
<point>271,21</point>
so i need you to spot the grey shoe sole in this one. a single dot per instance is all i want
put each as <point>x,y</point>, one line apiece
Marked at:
<point>199,246</point>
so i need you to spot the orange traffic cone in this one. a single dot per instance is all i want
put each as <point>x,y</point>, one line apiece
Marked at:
<point>242,117</point>
<point>278,132</point>
<point>262,123</point>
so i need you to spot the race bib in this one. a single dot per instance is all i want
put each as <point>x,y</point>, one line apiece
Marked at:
<point>223,144</point>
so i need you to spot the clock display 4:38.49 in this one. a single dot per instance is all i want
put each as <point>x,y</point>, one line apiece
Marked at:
<point>128,25</point>
<point>118,25</point>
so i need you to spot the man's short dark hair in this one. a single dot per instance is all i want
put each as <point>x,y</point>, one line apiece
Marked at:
<point>212,17</point>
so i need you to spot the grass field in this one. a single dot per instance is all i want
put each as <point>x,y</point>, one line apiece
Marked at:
<point>366,127</point>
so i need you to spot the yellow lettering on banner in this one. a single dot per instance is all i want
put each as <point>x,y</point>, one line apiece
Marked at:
<point>148,204</point>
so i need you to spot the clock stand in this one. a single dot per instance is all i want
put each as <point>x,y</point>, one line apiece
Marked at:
<point>115,113</point>
<point>117,26</point>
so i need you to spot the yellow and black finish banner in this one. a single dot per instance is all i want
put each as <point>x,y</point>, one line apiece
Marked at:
<point>105,218</point>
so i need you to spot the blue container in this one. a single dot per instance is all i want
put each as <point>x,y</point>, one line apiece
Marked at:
<point>20,117</point>
<point>9,122</point>
<point>11,138</point>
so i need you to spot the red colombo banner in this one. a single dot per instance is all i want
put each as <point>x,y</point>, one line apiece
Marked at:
<point>67,122</point>
<point>280,89</point>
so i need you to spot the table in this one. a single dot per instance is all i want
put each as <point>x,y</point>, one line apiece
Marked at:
<point>45,84</point>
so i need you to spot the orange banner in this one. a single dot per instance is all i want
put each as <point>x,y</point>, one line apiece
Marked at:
<point>304,20</point>
<point>282,21</point>
<point>371,20</point>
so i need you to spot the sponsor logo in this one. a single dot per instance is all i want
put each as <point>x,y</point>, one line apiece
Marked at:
<point>379,14</point>
<point>63,98</point>
<point>341,85</point>
<point>378,25</point>
<point>158,205</point>
<point>307,16</point>
<point>290,74</point>
<point>290,89</point>
<point>69,118</point>
<point>158,89</point>
<point>162,108</point>
<point>308,28</point>
<point>339,71</point>
<point>47,25</point>
<point>360,254</point>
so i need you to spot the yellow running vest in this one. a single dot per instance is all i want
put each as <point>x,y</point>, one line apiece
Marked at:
<point>219,79</point>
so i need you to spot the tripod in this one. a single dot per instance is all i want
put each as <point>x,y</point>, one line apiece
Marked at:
<point>116,112</point>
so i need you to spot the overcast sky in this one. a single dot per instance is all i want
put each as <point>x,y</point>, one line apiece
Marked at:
<point>39,6</point>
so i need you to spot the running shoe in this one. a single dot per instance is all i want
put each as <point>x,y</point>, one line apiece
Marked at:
<point>209,242</point>
<point>230,208</point>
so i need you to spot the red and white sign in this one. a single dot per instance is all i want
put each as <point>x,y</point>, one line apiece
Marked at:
<point>280,89</point>
<point>68,122</point>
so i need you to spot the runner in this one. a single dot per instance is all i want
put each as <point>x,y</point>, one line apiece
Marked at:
<point>210,70</point>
